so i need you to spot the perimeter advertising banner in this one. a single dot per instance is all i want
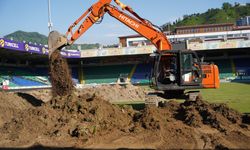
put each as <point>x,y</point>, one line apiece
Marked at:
<point>118,51</point>
<point>8,44</point>
<point>32,48</point>
<point>36,49</point>
<point>68,54</point>
<point>219,44</point>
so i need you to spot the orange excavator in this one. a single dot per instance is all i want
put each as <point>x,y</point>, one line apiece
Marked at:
<point>173,70</point>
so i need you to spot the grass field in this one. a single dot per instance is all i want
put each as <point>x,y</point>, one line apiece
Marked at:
<point>236,95</point>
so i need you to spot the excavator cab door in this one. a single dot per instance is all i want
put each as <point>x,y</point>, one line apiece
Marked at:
<point>176,70</point>
<point>190,69</point>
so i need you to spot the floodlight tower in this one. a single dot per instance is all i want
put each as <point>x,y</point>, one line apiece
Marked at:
<point>50,24</point>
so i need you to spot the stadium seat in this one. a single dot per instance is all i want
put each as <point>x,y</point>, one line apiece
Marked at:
<point>225,69</point>
<point>141,74</point>
<point>242,69</point>
<point>105,74</point>
<point>23,76</point>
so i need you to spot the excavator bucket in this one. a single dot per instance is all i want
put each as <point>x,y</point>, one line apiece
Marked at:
<point>56,41</point>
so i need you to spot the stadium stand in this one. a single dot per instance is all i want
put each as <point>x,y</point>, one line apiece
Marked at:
<point>23,76</point>
<point>234,69</point>
<point>232,59</point>
<point>141,74</point>
<point>242,67</point>
<point>21,81</point>
<point>105,74</point>
<point>226,69</point>
<point>75,75</point>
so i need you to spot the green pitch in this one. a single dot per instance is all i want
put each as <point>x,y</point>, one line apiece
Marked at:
<point>236,95</point>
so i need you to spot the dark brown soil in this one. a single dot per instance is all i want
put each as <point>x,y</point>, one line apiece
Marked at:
<point>219,116</point>
<point>60,75</point>
<point>10,104</point>
<point>89,121</point>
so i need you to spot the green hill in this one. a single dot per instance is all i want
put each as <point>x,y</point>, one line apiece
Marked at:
<point>38,38</point>
<point>33,37</point>
<point>228,13</point>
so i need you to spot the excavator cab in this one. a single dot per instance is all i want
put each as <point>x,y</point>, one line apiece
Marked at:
<point>176,70</point>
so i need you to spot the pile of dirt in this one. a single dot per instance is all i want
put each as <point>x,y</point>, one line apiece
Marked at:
<point>116,92</point>
<point>11,103</point>
<point>44,95</point>
<point>60,75</point>
<point>219,116</point>
<point>66,118</point>
<point>87,120</point>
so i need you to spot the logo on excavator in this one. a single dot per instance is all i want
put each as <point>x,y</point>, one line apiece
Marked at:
<point>129,21</point>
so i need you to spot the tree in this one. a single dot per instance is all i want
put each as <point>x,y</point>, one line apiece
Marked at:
<point>226,6</point>
<point>228,13</point>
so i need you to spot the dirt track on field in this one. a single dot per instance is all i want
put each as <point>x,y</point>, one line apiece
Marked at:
<point>87,120</point>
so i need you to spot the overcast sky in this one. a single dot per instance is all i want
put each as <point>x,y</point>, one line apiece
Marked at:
<point>32,16</point>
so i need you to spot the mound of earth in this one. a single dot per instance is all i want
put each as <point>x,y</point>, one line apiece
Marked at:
<point>219,116</point>
<point>116,92</point>
<point>44,95</point>
<point>89,121</point>
<point>11,103</point>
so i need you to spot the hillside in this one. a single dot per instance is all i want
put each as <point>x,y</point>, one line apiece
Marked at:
<point>38,38</point>
<point>33,37</point>
<point>228,13</point>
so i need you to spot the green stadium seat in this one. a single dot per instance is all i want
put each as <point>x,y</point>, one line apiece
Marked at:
<point>105,74</point>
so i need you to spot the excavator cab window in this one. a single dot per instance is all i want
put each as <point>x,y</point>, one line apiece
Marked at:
<point>190,69</point>
<point>176,69</point>
<point>168,69</point>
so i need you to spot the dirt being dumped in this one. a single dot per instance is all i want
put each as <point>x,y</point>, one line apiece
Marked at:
<point>86,120</point>
<point>60,75</point>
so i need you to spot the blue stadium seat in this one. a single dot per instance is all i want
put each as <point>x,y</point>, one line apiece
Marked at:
<point>23,76</point>
<point>141,74</point>
<point>242,69</point>
<point>24,82</point>
<point>75,75</point>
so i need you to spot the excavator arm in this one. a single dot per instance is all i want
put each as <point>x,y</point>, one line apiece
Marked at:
<point>96,13</point>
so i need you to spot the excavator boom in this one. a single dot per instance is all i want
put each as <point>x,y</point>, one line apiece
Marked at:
<point>96,12</point>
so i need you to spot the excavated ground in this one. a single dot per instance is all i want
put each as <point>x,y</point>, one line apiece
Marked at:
<point>87,119</point>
